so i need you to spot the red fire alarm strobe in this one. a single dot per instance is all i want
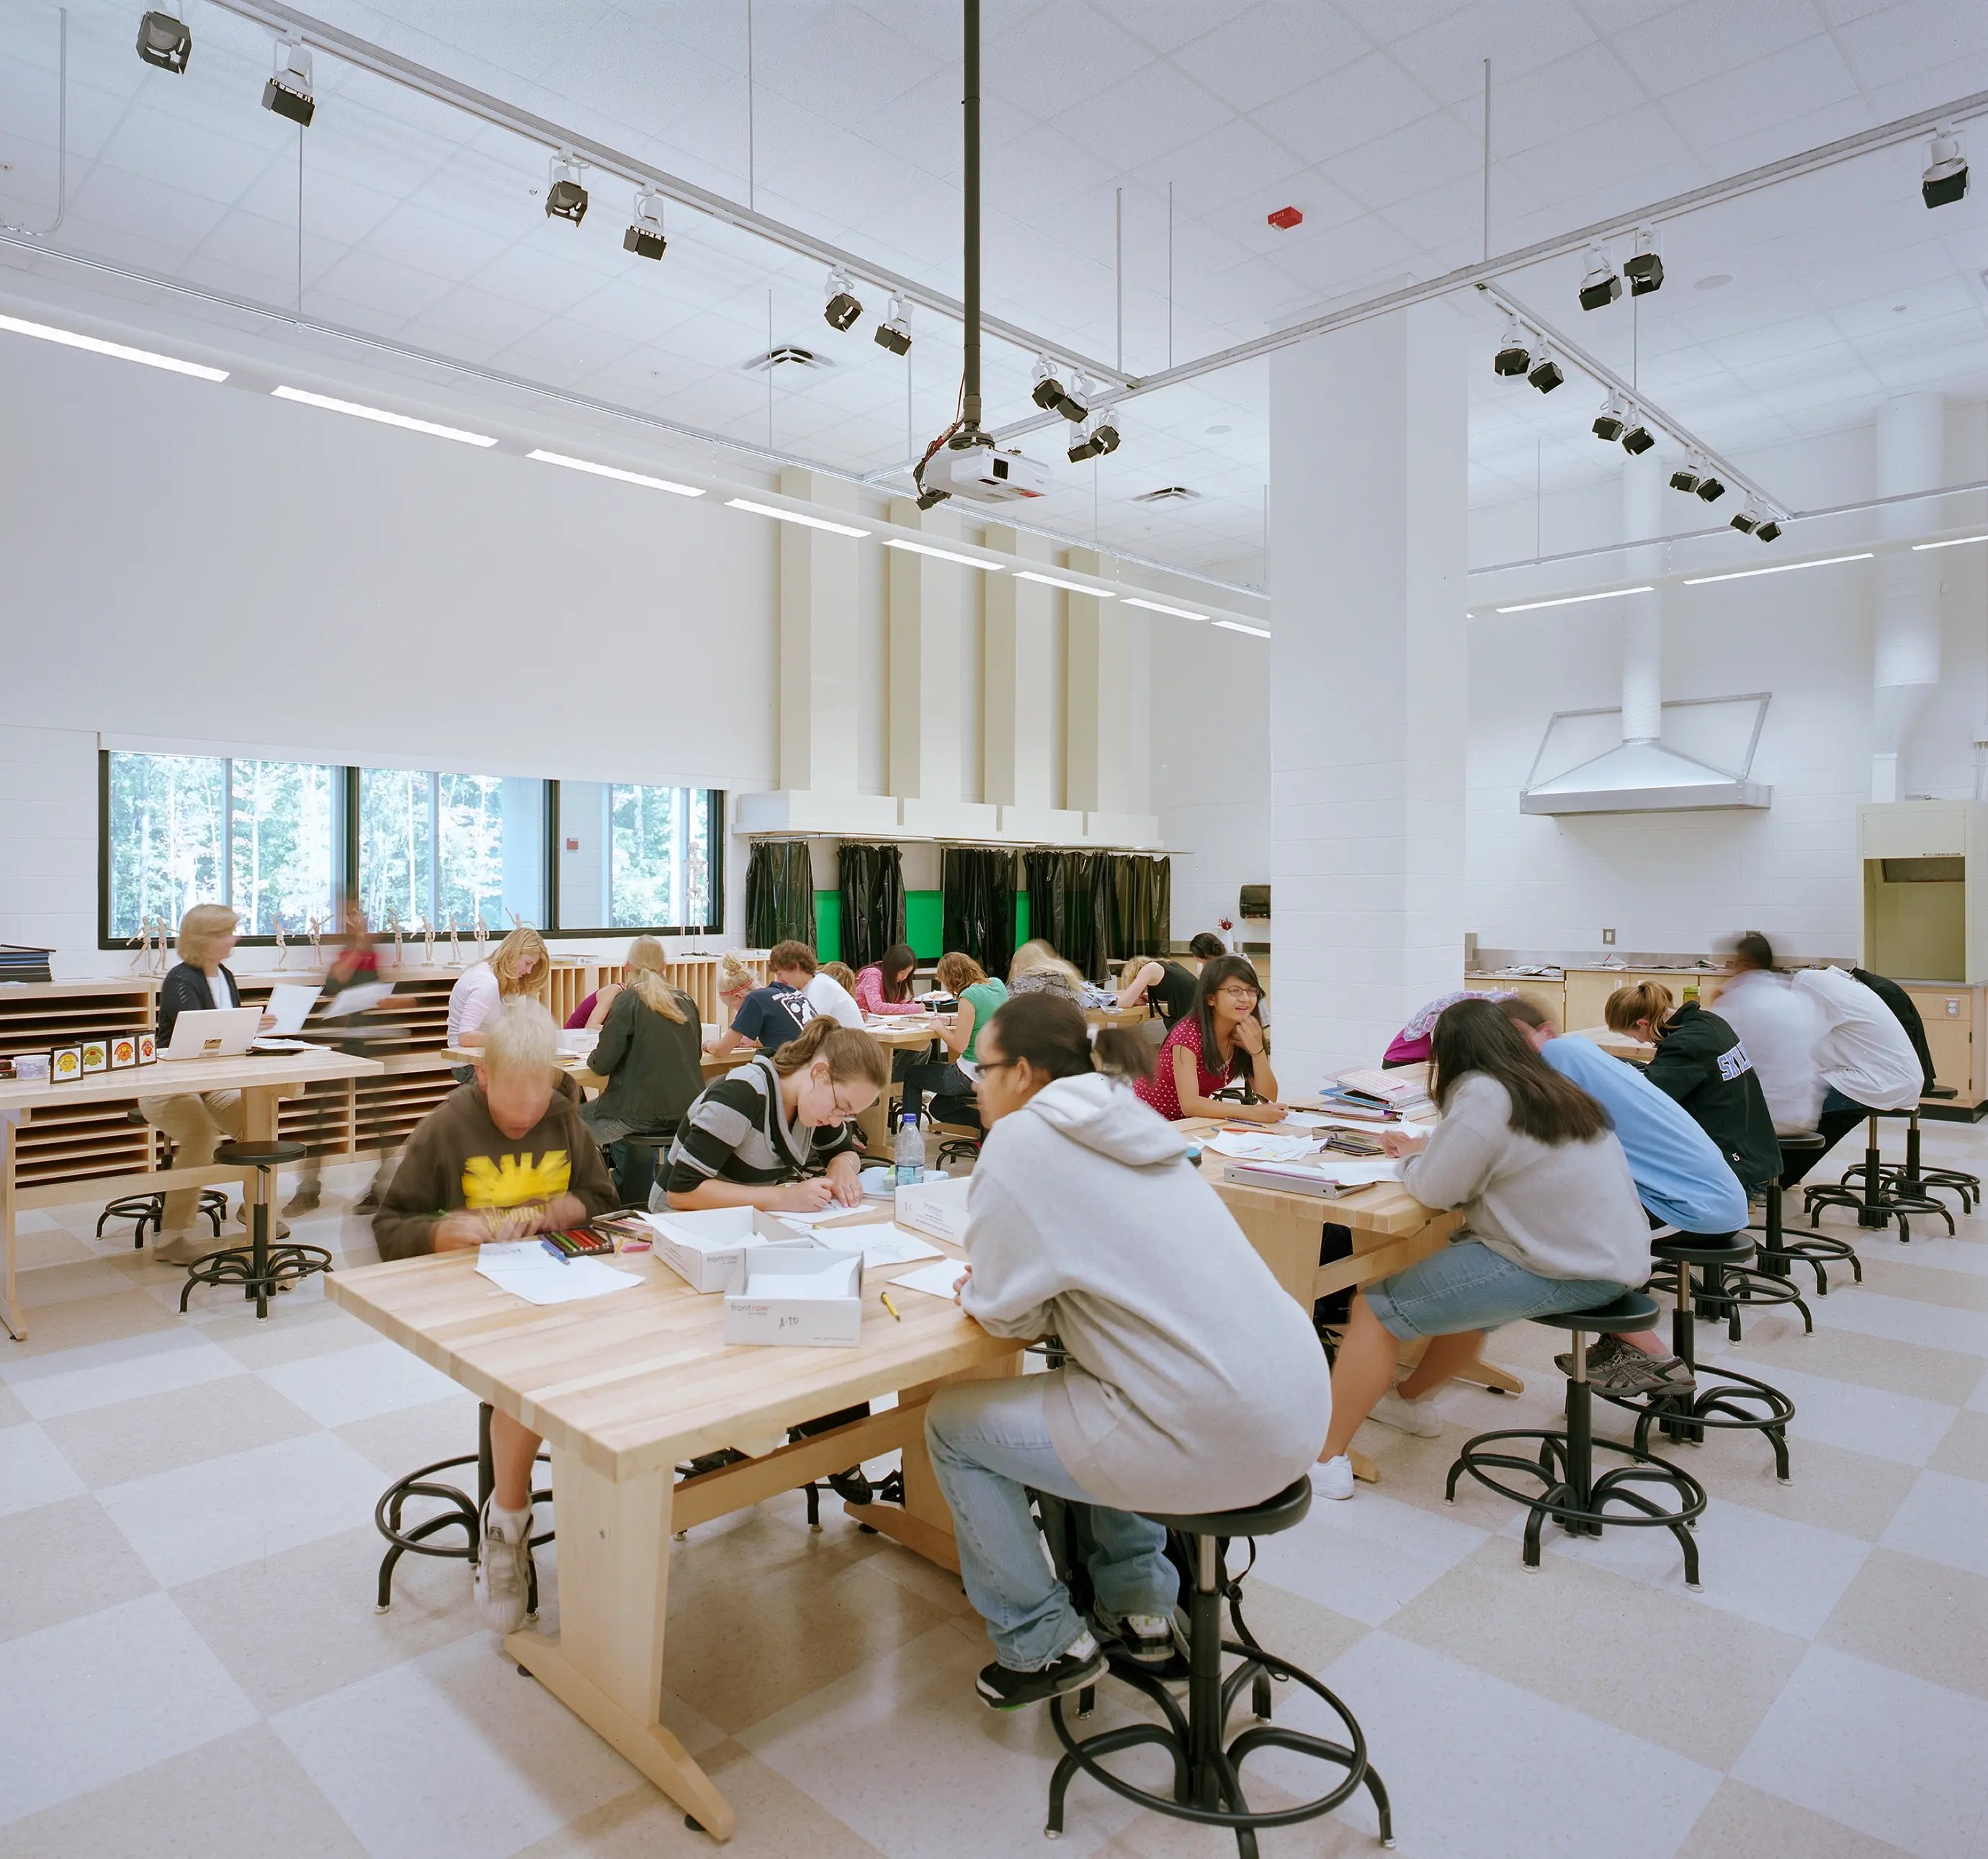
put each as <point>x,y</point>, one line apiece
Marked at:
<point>1285,218</point>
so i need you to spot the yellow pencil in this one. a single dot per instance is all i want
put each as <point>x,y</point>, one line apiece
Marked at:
<point>890,1306</point>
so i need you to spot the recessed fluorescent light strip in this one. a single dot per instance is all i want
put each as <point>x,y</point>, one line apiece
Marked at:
<point>1746,574</point>
<point>43,332</point>
<point>1236,626</point>
<point>613,471</point>
<point>1951,542</point>
<point>1158,607</point>
<point>942,555</point>
<point>1074,587</point>
<point>381,417</point>
<point>793,516</point>
<point>1612,593</point>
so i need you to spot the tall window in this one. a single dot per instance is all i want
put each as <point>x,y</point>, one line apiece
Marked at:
<point>442,848</point>
<point>188,829</point>
<point>636,857</point>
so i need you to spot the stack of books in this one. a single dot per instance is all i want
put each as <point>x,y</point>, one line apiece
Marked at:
<point>17,962</point>
<point>1377,1096</point>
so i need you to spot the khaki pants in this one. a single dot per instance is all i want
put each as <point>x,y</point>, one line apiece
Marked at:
<point>193,1124</point>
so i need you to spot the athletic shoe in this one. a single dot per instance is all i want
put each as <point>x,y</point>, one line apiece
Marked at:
<point>503,1569</point>
<point>368,1202</point>
<point>1417,1417</point>
<point>305,1200</point>
<point>1678,1378</point>
<point>851,1486</point>
<point>1334,1478</point>
<point>1006,1689</point>
<point>183,1248</point>
<point>1147,1639</point>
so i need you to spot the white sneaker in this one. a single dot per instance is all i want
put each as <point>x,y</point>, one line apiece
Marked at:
<point>503,1568</point>
<point>1417,1417</point>
<point>1332,1478</point>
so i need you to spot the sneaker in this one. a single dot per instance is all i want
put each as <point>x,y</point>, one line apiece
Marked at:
<point>1006,1689</point>
<point>1334,1478</point>
<point>1147,1639</point>
<point>503,1568</point>
<point>1625,1371</point>
<point>1678,1378</point>
<point>1417,1417</point>
<point>183,1248</point>
<point>305,1200</point>
<point>367,1203</point>
<point>851,1486</point>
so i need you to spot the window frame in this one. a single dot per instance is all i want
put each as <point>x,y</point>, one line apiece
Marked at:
<point>345,855</point>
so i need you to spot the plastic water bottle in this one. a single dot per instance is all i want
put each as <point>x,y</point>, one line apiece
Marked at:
<point>909,1155</point>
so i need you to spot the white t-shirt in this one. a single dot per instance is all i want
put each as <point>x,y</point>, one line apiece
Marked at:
<point>1780,1029</point>
<point>824,994</point>
<point>472,1001</point>
<point>1865,1054</point>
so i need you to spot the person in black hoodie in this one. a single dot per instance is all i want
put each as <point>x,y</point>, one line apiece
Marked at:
<point>1900,1002</point>
<point>1701,1062</point>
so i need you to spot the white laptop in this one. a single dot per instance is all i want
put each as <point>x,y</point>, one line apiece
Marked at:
<point>213,1032</point>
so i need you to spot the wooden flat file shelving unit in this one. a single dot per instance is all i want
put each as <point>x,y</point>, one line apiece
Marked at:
<point>79,1142</point>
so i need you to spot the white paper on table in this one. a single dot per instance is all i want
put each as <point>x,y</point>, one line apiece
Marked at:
<point>1360,1173</point>
<point>1306,1119</point>
<point>357,1000</point>
<point>821,1216</point>
<point>830,1281</point>
<point>542,1279</point>
<point>893,1244</point>
<point>288,1002</point>
<point>1246,1148</point>
<point>935,1280</point>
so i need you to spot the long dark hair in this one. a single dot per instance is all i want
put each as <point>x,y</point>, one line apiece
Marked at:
<point>1215,976</point>
<point>1051,1033</point>
<point>1478,1035</point>
<point>894,970</point>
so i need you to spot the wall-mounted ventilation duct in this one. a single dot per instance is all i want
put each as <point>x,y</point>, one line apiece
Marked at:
<point>1583,766</point>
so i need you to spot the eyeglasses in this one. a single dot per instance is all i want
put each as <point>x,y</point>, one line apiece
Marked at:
<point>994,1065</point>
<point>1247,996</point>
<point>844,1112</point>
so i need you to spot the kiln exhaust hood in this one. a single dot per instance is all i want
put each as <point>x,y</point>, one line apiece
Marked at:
<point>1584,766</point>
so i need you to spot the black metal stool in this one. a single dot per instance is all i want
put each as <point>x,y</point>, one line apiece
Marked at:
<point>150,1209</point>
<point>962,1134</point>
<point>657,1141</point>
<point>1725,1399</point>
<point>1721,1290</point>
<point>459,1512</point>
<point>1569,1492</point>
<point>1207,1780</point>
<point>1864,1190</point>
<point>1777,1254</point>
<point>260,1269</point>
<point>1910,1178</point>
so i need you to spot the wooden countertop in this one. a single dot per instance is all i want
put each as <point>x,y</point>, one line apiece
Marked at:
<point>169,1077</point>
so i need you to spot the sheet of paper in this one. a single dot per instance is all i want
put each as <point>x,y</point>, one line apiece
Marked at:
<point>821,1216</point>
<point>1260,1148</point>
<point>289,1002</point>
<point>893,1244</point>
<point>1355,1173</point>
<point>935,1280</point>
<point>274,1045</point>
<point>1306,1119</point>
<point>357,1000</point>
<point>526,1269</point>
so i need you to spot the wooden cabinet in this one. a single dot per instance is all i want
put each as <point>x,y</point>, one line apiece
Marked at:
<point>1950,1013</point>
<point>1549,996</point>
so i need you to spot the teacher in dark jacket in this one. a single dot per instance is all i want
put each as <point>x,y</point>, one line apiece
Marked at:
<point>651,1053</point>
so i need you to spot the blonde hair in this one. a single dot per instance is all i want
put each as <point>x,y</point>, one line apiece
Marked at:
<point>1628,1008</point>
<point>733,975</point>
<point>1038,969</point>
<point>1033,954</point>
<point>201,928</point>
<point>522,949</point>
<point>520,1037</point>
<point>853,1057</point>
<point>646,961</point>
<point>841,974</point>
<point>958,971</point>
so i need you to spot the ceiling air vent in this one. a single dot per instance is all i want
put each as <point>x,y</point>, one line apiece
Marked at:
<point>1171,493</point>
<point>788,355</point>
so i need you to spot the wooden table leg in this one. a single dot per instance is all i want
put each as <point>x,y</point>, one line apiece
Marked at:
<point>606,1664</point>
<point>10,1309</point>
<point>1485,1375</point>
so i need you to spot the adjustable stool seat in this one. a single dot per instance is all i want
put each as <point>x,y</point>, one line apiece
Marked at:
<point>150,1209</point>
<point>260,1269</point>
<point>1911,1178</point>
<point>1875,1200</point>
<point>1208,1779</point>
<point>1778,1252</point>
<point>1724,1398</point>
<point>1569,1491</point>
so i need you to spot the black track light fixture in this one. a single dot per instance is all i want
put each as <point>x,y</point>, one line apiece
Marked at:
<point>645,236</point>
<point>1052,397</point>
<point>1769,529</point>
<point>1686,477</point>
<point>1748,519</point>
<point>164,42</point>
<point>1644,268</point>
<point>1545,373</point>
<point>1710,486</point>
<point>1512,357</point>
<point>1638,439</point>
<point>1601,286</point>
<point>1945,179</point>
<point>288,93</point>
<point>1099,439</point>
<point>843,309</point>
<point>565,193</point>
<point>895,333</point>
<point>1609,422</point>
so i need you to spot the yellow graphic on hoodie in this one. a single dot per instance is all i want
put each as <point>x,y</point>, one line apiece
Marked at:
<point>511,1181</point>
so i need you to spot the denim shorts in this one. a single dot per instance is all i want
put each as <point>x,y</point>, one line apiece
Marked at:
<point>1468,1286</point>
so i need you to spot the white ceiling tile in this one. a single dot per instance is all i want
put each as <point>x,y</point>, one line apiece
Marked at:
<point>625,70</point>
<point>1341,111</point>
<point>1797,80</point>
<point>1517,35</point>
<point>1920,36</point>
<point>1410,160</point>
<point>1167,25</point>
<point>1142,117</point>
<point>477,314</point>
<point>1270,50</point>
<point>843,57</point>
<point>396,290</point>
<point>1053,59</point>
<point>1689,44</point>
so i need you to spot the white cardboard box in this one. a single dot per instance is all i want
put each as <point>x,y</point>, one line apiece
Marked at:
<point>760,1313</point>
<point>937,1208</point>
<point>707,1249</point>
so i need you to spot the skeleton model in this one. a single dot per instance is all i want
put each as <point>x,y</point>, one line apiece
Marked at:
<point>283,947</point>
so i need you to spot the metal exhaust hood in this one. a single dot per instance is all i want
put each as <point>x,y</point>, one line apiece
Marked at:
<point>1645,775</point>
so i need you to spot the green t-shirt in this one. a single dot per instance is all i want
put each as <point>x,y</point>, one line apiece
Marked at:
<point>984,997</point>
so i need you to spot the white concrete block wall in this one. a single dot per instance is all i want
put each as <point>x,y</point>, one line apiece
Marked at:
<point>48,839</point>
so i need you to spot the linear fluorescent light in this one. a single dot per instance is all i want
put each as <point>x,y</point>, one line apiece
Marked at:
<point>793,516</point>
<point>1236,626</point>
<point>1074,587</point>
<point>942,555</point>
<point>381,417</point>
<point>41,332</point>
<point>1951,542</point>
<point>1612,593</point>
<point>1746,574</point>
<point>1160,607</point>
<point>614,471</point>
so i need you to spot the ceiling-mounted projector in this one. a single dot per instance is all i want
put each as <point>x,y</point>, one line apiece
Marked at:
<point>989,476</point>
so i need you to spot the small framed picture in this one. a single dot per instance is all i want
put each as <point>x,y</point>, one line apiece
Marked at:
<point>31,1067</point>
<point>96,1055</point>
<point>148,1048</point>
<point>123,1050</point>
<point>66,1064</point>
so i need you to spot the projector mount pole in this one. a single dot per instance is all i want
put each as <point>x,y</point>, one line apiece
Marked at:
<point>969,433</point>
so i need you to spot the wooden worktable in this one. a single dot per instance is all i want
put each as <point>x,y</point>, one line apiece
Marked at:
<point>626,1386</point>
<point>262,1078</point>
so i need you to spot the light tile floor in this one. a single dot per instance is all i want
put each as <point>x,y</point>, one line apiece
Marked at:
<point>190,1660</point>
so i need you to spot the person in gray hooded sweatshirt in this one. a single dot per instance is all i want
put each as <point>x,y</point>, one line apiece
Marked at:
<point>1191,1381</point>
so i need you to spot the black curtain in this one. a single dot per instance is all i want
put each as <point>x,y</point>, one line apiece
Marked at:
<point>1090,907</point>
<point>779,894</point>
<point>1048,875</point>
<point>1142,904</point>
<point>872,879</point>
<point>977,894</point>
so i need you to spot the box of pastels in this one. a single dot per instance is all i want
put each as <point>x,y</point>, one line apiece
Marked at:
<point>707,1249</point>
<point>810,1295</point>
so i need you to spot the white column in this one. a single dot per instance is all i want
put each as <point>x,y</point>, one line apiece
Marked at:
<point>1020,718</point>
<point>1098,766</point>
<point>1910,436</point>
<point>1642,615</point>
<point>818,645</point>
<point>1368,564</point>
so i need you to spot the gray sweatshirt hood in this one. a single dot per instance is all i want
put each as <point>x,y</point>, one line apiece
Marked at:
<point>1104,1115</point>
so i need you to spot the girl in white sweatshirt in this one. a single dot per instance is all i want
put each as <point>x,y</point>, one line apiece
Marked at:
<point>1192,1381</point>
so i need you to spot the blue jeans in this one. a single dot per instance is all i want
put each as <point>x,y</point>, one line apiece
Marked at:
<point>990,1447</point>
